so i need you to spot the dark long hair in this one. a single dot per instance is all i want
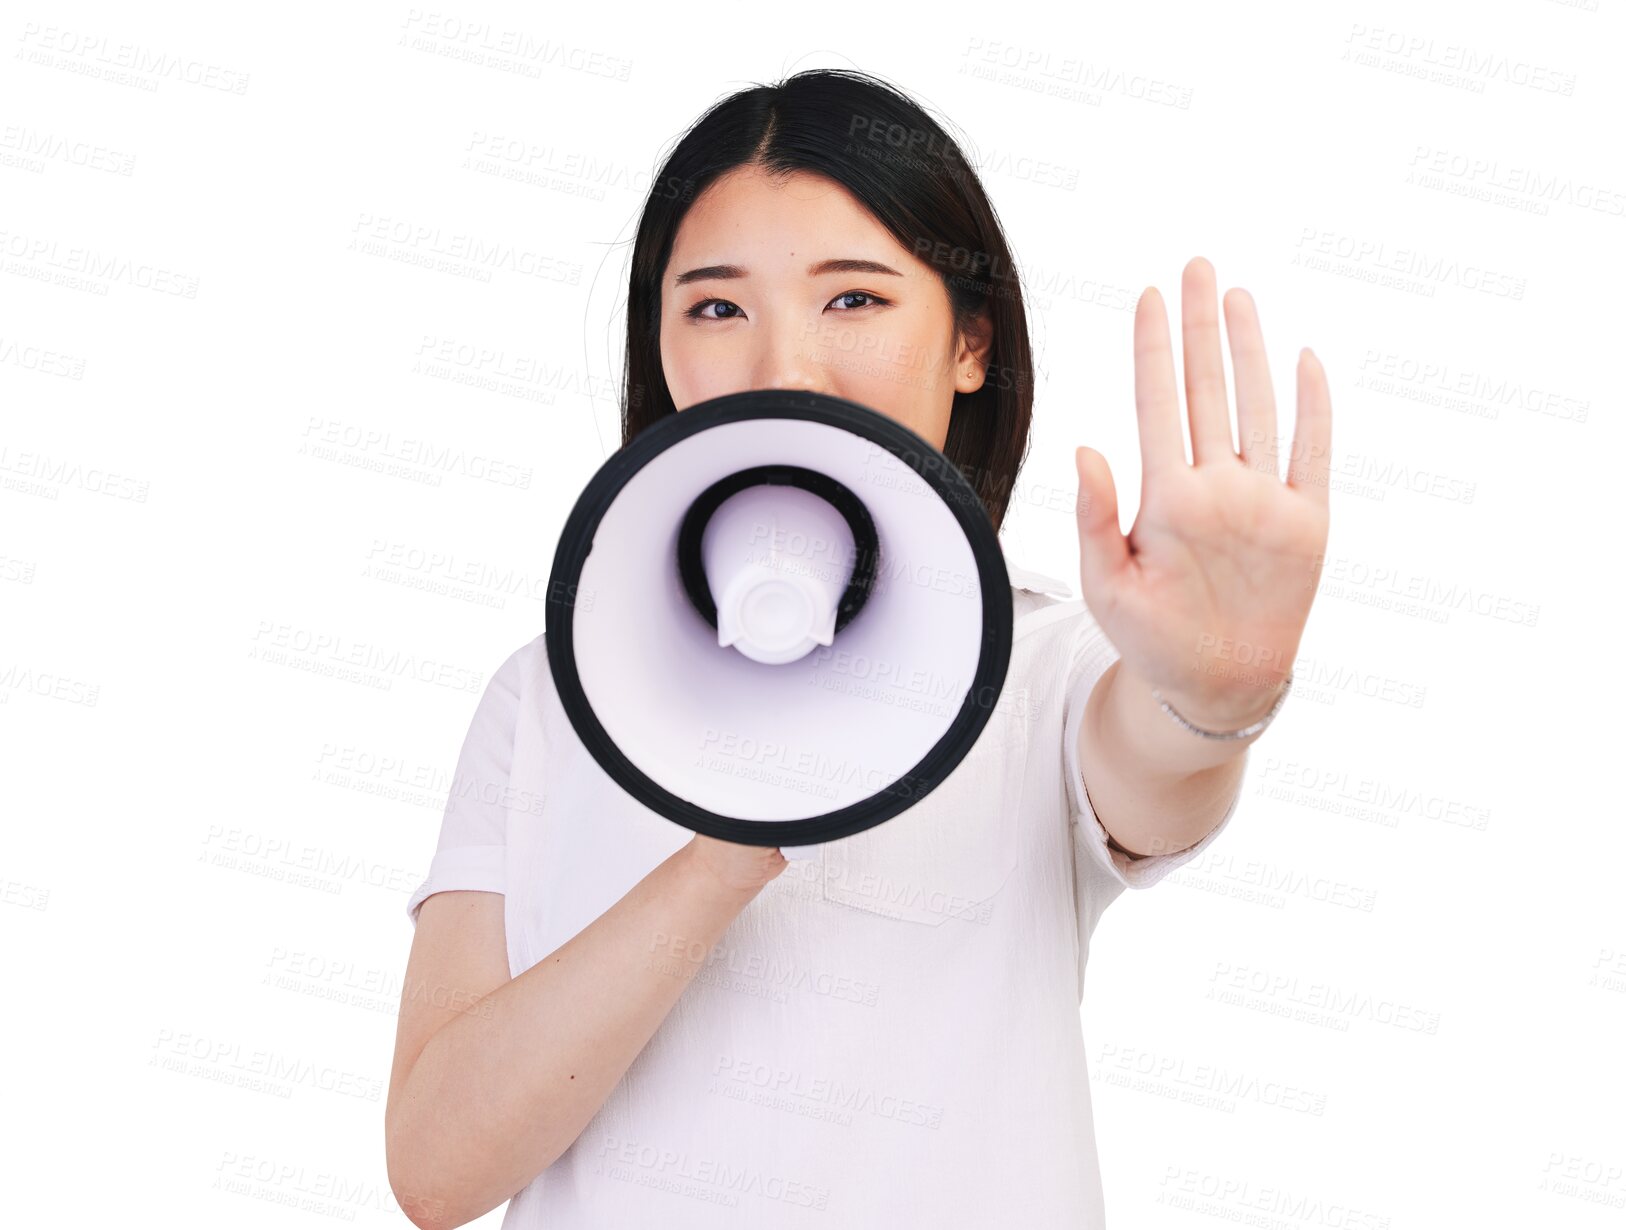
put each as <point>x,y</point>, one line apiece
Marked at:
<point>905,169</point>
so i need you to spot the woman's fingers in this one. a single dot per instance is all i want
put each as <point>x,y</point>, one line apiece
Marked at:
<point>1206,402</point>
<point>1157,400</point>
<point>1312,432</point>
<point>1255,399</point>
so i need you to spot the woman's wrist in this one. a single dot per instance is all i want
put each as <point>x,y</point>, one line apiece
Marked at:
<point>1134,731</point>
<point>726,872</point>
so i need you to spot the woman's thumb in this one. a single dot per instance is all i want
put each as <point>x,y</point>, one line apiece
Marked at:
<point>1102,548</point>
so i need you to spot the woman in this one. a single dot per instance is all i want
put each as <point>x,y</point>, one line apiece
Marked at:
<point>619,1023</point>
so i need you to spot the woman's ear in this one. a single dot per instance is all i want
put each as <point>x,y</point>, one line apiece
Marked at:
<point>971,362</point>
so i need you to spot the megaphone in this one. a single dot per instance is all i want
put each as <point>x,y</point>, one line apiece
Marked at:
<point>778,618</point>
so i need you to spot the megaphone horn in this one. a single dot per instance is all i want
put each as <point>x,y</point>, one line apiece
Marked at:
<point>778,618</point>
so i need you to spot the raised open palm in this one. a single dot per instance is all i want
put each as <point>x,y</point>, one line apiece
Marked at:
<point>1207,596</point>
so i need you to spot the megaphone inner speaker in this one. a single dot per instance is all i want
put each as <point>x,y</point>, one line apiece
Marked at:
<point>732,538</point>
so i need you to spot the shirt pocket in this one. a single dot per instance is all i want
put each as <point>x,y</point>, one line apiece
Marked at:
<point>949,855</point>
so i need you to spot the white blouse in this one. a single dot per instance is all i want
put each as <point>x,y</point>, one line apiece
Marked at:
<point>889,1034</point>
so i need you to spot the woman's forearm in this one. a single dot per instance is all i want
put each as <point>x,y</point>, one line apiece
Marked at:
<point>497,1095</point>
<point>1155,787</point>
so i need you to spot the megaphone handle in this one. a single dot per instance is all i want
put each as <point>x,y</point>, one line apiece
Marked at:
<point>793,852</point>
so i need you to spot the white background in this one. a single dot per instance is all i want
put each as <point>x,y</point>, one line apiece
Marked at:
<point>1432,832</point>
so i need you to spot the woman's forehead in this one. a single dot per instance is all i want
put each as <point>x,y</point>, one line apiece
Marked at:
<point>778,227</point>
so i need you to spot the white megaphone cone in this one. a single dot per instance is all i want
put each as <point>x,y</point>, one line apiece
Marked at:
<point>778,560</point>
<point>778,618</point>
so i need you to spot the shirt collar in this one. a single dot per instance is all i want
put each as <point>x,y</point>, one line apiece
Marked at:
<point>1037,582</point>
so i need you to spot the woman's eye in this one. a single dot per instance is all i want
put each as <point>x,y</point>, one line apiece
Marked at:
<point>874,300</point>
<point>698,310</point>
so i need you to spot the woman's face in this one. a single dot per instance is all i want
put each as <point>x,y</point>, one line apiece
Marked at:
<point>747,304</point>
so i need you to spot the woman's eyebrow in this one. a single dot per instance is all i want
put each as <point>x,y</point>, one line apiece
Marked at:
<point>834,265</point>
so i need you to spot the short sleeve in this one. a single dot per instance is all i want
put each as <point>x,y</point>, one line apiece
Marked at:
<point>1092,655</point>
<point>473,830</point>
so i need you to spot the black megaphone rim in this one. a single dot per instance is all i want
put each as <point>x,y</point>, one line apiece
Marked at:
<point>920,455</point>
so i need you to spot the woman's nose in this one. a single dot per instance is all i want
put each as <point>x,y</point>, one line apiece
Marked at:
<point>790,359</point>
